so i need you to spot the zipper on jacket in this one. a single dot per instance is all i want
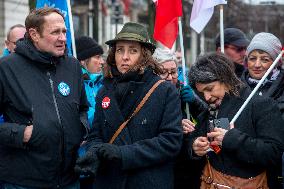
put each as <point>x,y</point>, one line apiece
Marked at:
<point>54,98</point>
<point>60,123</point>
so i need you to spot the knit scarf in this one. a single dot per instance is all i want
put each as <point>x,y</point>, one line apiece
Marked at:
<point>273,77</point>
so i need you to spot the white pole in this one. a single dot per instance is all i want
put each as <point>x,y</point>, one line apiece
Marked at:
<point>71,29</point>
<point>222,29</point>
<point>183,63</point>
<point>90,15</point>
<point>257,87</point>
<point>202,43</point>
<point>193,49</point>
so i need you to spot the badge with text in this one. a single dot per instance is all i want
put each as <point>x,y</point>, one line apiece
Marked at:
<point>106,102</point>
<point>64,89</point>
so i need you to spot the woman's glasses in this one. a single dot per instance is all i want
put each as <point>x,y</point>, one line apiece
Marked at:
<point>165,73</point>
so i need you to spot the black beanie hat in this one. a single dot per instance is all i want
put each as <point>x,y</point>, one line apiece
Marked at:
<point>87,47</point>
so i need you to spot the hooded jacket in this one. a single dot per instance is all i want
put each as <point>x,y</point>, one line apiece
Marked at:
<point>46,92</point>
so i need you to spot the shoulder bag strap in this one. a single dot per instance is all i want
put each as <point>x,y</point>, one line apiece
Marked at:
<point>140,105</point>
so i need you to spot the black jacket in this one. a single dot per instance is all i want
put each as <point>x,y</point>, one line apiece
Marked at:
<point>256,142</point>
<point>151,140</point>
<point>274,89</point>
<point>30,94</point>
<point>187,169</point>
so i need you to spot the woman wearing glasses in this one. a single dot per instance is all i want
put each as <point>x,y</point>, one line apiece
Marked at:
<point>168,62</point>
<point>184,169</point>
<point>261,52</point>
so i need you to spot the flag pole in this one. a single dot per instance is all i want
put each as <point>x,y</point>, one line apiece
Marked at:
<point>71,29</point>
<point>222,28</point>
<point>257,87</point>
<point>183,63</point>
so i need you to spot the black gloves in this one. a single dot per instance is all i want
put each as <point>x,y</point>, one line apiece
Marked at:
<point>109,152</point>
<point>88,164</point>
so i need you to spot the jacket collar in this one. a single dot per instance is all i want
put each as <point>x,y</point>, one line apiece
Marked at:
<point>26,48</point>
<point>114,109</point>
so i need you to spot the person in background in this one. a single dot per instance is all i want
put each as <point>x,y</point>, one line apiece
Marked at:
<point>244,150</point>
<point>15,33</point>
<point>261,53</point>
<point>178,56</point>
<point>235,44</point>
<point>143,153</point>
<point>184,168</point>
<point>168,63</point>
<point>89,53</point>
<point>43,100</point>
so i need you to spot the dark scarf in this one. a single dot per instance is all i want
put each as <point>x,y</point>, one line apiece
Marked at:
<point>121,82</point>
<point>267,82</point>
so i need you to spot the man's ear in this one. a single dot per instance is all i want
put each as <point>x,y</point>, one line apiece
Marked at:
<point>34,34</point>
<point>6,43</point>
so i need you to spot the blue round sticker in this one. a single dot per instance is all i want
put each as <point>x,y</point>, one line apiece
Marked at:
<point>64,89</point>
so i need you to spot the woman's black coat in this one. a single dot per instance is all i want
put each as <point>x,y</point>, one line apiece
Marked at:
<point>151,140</point>
<point>255,143</point>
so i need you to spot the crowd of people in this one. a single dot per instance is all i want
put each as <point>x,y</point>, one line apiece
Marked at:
<point>130,121</point>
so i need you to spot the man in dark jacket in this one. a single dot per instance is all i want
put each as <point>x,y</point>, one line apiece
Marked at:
<point>235,43</point>
<point>44,105</point>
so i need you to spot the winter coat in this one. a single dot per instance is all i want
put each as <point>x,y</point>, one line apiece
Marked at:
<point>5,53</point>
<point>151,140</point>
<point>255,143</point>
<point>92,87</point>
<point>274,89</point>
<point>48,93</point>
<point>185,168</point>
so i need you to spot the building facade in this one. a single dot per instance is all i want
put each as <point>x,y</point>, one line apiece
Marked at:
<point>11,12</point>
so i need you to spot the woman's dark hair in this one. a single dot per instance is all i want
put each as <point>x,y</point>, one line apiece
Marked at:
<point>146,60</point>
<point>215,67</point>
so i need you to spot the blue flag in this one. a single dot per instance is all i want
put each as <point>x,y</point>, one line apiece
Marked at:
<point>62,6</point>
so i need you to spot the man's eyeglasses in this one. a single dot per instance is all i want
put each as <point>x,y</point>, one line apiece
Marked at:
<point>235,48</point>
<point>14,42</point>
<point>165,73</point>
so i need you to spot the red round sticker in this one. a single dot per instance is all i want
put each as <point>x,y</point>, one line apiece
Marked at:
<point>106,102</point>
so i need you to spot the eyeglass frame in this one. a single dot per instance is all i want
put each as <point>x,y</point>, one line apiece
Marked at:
<point>167,72</point>
<point>14,42</point>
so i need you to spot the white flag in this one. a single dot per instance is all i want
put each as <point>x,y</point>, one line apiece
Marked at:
<point>202,12</point>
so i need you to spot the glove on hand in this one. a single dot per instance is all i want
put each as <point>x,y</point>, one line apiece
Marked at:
<point>187,94</point>
<point>109,152</point>
<point>88,164</point>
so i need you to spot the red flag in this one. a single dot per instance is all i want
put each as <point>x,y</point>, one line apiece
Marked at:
<point>166,23</point>
<point>104,8</point>
<point>126,5</point>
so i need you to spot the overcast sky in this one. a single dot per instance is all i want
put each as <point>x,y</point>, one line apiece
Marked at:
<point>258,1</point>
